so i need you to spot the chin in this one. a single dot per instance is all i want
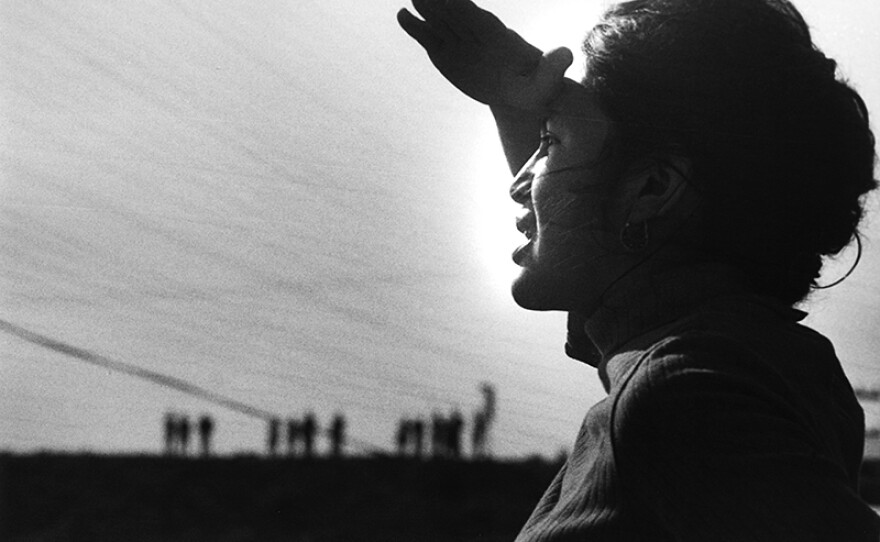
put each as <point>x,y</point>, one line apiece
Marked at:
<point>537,294</point>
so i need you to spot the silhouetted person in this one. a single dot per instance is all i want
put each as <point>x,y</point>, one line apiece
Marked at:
<point>170,432</point>
<point>438,435</point>
<point>482,422</point>
<point>272,436</point>
<point>479,430</point>
<point>309,428</point>
<point>206,430</point>
<point>453,434</point>
<point>418,437</point>
<point>682,200</point>
<point>337,435</point>
<point>294,431</point>
<point>402,436</point>
<point>183,434</point>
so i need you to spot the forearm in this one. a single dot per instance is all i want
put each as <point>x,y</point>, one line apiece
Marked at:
<point>498,68</point>
<point>520,128</point>
<point>520,133</point>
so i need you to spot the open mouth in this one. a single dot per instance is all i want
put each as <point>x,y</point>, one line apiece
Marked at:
<point>526,224</point>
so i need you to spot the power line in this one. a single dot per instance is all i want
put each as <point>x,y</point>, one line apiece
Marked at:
<point>178,384</point>
<point>171,382</point>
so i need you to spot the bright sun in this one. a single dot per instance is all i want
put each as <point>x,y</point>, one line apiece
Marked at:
<point>563,24</point>
<point>493,209</point>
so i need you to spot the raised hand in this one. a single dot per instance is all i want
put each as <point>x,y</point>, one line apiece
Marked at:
<point>483,58</point>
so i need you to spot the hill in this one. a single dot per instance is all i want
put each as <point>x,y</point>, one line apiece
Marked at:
<point>57,497</point>
<point>148,498</point>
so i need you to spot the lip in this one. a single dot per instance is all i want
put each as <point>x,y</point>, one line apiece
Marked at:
<point>521,254</point>
<point>526,224</point>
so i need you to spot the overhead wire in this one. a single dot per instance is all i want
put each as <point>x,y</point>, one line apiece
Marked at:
<point>164,380</point>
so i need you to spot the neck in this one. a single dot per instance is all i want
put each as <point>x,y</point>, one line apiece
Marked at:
<point>648,297</point>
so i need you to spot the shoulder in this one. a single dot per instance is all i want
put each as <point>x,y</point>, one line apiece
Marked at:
<point>688,361</point>
<point>703,392</point>
<point>707,433</point>
<point>737,373</point>
<point>738,344</point>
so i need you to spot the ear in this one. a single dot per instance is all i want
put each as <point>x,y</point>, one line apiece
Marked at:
<point>658,187</point>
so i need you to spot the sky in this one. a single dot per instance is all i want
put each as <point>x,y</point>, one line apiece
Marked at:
<point>283,205</point>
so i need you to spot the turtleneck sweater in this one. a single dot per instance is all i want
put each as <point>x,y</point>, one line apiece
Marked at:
<point>725,420</point>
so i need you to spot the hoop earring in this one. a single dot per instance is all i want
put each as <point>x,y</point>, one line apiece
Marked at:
<point>851,269</point>
<point>634,237</point>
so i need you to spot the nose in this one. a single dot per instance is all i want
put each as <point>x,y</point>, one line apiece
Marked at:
<point>521,189</point>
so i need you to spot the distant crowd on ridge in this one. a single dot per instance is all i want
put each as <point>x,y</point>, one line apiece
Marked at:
<point>178,429</point>
<point>445,435</point>
<point>297,437</point>
<point>300,435</point>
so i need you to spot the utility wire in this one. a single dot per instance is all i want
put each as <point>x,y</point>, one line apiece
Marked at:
<point>178,384</point>
<point>133,370</point>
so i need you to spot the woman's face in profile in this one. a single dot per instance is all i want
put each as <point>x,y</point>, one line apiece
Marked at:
<point>565,204</point>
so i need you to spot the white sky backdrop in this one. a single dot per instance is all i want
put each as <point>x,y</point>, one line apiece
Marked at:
<point>281,201</point>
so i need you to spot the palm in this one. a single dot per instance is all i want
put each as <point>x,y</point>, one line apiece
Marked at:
<point>483,58</point>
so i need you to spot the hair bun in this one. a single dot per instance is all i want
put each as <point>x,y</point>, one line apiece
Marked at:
<point>781,150</point>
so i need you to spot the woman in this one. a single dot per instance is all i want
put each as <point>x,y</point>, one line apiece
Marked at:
<point>679,204</point>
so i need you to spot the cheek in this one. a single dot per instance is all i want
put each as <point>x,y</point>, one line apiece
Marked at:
<point>568,210</point>
<point>580,235</point>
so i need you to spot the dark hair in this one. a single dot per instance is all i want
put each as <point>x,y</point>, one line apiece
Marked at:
<point>780,149</point>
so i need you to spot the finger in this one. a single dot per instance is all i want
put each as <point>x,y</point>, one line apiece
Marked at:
<point>449,12</point>
<point>478,22</point>
<point>430,10</point>
<point>434,14</point>
<point>419,30</point>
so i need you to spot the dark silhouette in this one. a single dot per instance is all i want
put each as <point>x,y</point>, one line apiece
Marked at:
<point>309,429</point>
<point>759,156</point>
<point>294,431</point>
<point>410,437</point>
<point>206,430</point>
<point>483,419</point>
<point>439,435</point>
<point>183,434</point>
<point>402,436</point>
<point>479,431</point>
<point>272,436</point>
<point>418,437</point>
<point>170,427</point>
<point>455,424</point>
<point>337,435</point>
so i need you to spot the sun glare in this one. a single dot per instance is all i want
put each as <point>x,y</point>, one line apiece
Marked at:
<point>493,210</point>
<point>557,24</point>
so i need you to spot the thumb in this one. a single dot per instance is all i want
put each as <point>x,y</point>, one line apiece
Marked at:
<point>554,63</point>
<point>549,75</point>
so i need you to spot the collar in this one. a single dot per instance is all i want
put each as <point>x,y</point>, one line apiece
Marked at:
<point>632,309</point>
<point>635,307</point>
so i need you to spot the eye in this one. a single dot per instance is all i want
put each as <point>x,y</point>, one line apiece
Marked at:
<point>548,139</point>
